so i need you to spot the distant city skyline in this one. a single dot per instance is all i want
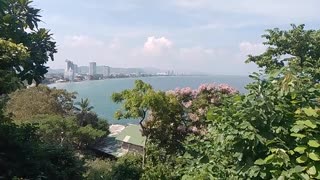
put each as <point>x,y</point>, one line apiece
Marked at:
<point>207,36</point>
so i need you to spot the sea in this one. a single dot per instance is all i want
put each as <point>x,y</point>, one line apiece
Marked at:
<point>99,92</point>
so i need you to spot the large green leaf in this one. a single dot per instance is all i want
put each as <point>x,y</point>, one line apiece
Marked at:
<point>313,143</point>
<point>302,159</point>
<point>298,135</point>
<point>314,156</point>
<point>312,170</point>
<point>300,149</point>
<point>310,124</point>
<point>259,162</point>
<point>310,112</point>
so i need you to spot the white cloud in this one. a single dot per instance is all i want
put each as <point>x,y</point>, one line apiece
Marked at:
<point>82,41</point>
<point>115,44</point>
<point>156,52</point>
<point>196,53</point>
<point>248,48</point>
<point>156,46</point>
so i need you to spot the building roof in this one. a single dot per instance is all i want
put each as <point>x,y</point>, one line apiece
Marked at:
<point>112,144</point>
<point>132,134</point>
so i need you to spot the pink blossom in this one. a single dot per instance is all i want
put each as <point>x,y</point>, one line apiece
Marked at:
<point>170,92</point>
<point>186,91</point>
<point>226,89</point>
<point>212,100</point>
<point>211,87</point>
<point>181,128</point>
<point>201,111</point>
<point>202,87</point>
<point>187,104</point>
<point>193,117</point>
<point>203,132</point>
<point>194,129</point>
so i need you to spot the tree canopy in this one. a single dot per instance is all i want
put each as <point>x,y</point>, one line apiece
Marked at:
<point>23,104</point>
<point>271,132</point>
<point>25,48</point>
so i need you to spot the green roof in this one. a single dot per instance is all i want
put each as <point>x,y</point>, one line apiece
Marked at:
<point>132,134</point>
<point>112,144</point>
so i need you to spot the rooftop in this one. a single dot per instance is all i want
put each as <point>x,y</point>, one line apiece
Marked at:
<point>131,134</point>
<point>112,144</point>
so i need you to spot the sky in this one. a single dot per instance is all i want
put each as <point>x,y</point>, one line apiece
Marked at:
<point>191,36</point>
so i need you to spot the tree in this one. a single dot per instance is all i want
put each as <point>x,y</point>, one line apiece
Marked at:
<point>127,167</point>
<point>84,106</point>
<point>86,117</point>
<point>41,100</point>
<point>22,155</point>
<point>11,54</point>
<point>297,48</point>
<point>66,132</point>
<point>135,105</point>
<point>271,132</point>
<point>98,169</point>
<point>19,32</point>
<point>24,50</point>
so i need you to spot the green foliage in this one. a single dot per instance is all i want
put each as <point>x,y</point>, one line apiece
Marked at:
<point>296,48</point>
<point>160,114</point>
<point>84,105</point>
<point>23,155</point>
<point>98,169</point>
<point>127,167</point>
<point>26,103</point>
<point>159,164</point>
<point>32,47</point>
<point>66,132</point>
<point>135,105</point>
<point>271,132</point>
<point>11,57</point>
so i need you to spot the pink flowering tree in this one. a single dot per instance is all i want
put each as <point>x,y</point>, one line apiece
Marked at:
<point>196,103</point>
<point>166,118</point>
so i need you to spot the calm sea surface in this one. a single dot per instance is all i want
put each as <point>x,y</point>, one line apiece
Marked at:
<point>99,92</point>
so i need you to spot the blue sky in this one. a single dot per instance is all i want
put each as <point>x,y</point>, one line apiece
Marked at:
<point>206,36</point>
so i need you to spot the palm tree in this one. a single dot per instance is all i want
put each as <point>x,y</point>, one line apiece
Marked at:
<point>84,109</point>
<point>84,105</point>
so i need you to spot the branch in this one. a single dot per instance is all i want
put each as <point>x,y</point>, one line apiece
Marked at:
<point>143,117</point>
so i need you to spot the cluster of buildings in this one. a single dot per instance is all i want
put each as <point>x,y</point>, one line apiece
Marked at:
<point>73,73</point>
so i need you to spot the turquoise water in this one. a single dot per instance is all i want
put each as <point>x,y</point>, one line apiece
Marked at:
<point>99,92</point>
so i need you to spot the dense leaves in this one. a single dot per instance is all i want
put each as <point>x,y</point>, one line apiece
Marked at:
<point>271,132</point>
<point>66,132</point>
<point>22,155</point>
<point>24,47</point>
<point>26,103</point>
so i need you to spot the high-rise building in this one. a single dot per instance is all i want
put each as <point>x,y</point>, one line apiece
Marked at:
<point>106,71</point>
<point>75,69</point>
<point>69,70</point>
<point>69,64</point>
<point>92,68</point>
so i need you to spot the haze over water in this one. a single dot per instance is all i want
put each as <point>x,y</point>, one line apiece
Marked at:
<point>99,92</point>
